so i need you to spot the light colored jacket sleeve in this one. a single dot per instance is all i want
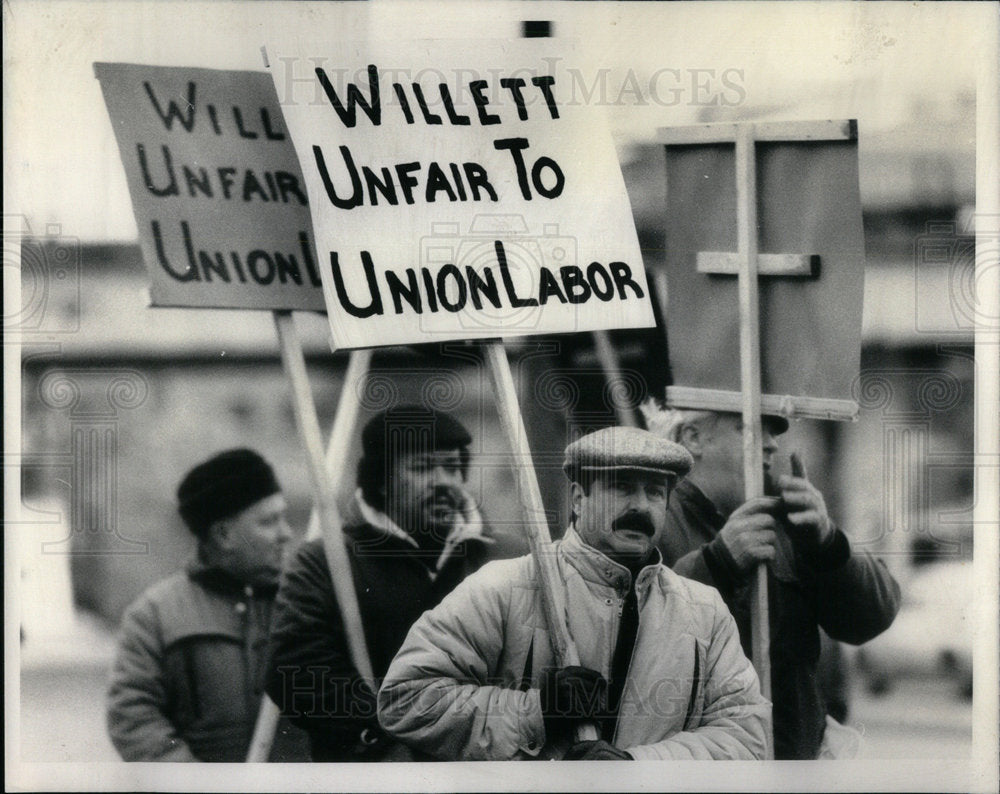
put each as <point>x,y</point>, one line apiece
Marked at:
<point>137,723</point>
<point>734,720</point>
<point>440,694</point>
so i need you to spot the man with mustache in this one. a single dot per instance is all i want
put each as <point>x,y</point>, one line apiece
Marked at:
<point>815,578</point>
<point>415,534</point>
<point>661,673</point>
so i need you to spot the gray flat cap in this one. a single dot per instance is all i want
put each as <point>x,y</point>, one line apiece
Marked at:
<point>626,449</point>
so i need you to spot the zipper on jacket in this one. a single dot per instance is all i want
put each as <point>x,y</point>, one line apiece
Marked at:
<point>192,678</point>
<point>628,669</point>
<point>695,686</point>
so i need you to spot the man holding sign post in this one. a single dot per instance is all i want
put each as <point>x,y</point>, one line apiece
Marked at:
<point>661,671</point>
<point>818,581</point>
<point>785,196</point>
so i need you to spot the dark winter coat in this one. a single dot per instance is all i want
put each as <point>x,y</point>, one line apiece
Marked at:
<point>850,594</point>
<point>310,673</point>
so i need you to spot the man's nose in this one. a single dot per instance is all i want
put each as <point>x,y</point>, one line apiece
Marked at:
<point>769,443</point>
<point>284,531</point>
<point>639,502</point>
<point>445,475</point>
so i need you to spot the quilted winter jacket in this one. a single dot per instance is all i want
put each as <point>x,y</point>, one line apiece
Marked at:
<point>462,686</point>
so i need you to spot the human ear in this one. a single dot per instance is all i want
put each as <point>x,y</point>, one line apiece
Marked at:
<point>576,496</point>
<point>220,533</point>
<point>691,439</point>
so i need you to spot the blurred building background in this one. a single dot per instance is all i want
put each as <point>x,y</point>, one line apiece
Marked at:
<point>119,400</point>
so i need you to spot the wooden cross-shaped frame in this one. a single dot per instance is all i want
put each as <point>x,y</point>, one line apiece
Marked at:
<point>747,263</point>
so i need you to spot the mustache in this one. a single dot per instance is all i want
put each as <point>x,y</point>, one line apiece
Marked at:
<point>447,494</point>
<point>638,522</point>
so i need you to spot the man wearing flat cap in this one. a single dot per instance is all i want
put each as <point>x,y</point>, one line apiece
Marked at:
<point>815,578</point>
<point>188,675</point>
<point>661,675</point>
<point>415,533</point>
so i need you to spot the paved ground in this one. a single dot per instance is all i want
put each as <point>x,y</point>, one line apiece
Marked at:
<point>920,718</point>
<point>62,715</point>
<point>64,678</point>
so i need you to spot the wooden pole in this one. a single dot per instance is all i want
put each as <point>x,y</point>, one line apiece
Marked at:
<point>344,422</point>
<point>753,464</point>
<point>539,539</point>
<point>608,357</point>
<point>325,509</point>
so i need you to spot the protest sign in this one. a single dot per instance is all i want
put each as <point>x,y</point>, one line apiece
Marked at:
<point>216,188</point>
<point>457,193</point>
<point>810,207</point>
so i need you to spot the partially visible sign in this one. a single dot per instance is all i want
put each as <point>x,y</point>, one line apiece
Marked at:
<point>218,195</point>
<point>457,192</point>
<point>809,212</point>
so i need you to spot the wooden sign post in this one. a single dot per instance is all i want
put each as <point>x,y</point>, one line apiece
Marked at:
<point>749,266</point>
<point>608,357</point>
<point>324,520</point>
<point>536,527</point>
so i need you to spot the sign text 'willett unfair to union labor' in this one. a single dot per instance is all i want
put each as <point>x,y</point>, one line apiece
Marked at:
<point>218,195</point>
<point>459,197</point>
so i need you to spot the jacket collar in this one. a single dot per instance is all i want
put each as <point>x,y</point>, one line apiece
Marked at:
<point>469,528</point>
<point>595,566</point>
<point>222,582</point>
<point>703,508</point>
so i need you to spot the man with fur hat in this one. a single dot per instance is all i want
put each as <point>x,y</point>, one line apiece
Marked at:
<point>661,674</point>
<point>815,578</point>
<point>416,533</point>
<point>188,676</point>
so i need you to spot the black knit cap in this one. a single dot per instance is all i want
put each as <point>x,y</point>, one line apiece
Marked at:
<point>222,486</point>
<point>433,429</point>
<point>405,429</point>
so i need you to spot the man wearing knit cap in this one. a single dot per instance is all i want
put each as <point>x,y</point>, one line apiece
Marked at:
<point>188,675</point>
<point>415,533</point>
<point>661,674</point>
<point>815,578</point>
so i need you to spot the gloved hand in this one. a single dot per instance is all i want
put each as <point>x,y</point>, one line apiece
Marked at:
<point>596,750</point>
<point>570,695</point>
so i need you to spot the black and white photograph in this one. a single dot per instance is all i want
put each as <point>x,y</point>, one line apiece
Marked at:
<point>393,385</point>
